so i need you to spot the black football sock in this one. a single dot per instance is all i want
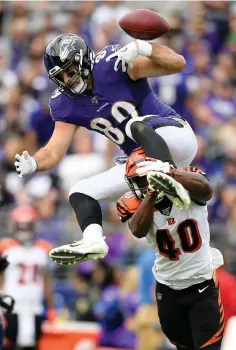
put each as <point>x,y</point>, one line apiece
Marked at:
<point>152,143</point>
<point>87,210</point>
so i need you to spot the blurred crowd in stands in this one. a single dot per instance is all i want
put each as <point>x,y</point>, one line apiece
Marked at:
<point>111,290</point>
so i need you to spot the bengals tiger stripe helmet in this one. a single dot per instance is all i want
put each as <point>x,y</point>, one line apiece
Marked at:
<point>23,219</point>
<point>137,184</point>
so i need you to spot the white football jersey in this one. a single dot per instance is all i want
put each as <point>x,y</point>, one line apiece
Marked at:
<point>182,241</point>
<point>24,277</point>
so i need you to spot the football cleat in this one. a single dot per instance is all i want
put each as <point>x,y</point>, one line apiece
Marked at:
<point>161,182</point>
<point>70,254</point>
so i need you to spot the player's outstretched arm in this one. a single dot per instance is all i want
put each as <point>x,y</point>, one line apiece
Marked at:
<point>141,221</point>
<point>49,156</point>
<point>142,59</point>
<point>195,182</point>
<point>161,61</point>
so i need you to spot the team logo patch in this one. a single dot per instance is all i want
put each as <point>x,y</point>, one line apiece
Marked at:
<point>159,296</point>
<point>94,100</point>
<point>122,160</point>
<point>166,211</point>
<point>66,46</point>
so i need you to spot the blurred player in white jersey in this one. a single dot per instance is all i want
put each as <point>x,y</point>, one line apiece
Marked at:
<point>187,289</point>
<point>27,279</point>
<point>6,301</point>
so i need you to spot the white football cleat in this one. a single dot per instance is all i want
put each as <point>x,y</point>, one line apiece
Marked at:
<point>161,182</point>
<point>70,254</point>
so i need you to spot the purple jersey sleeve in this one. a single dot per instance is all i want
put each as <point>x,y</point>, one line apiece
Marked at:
<point>105,68</point>
<point>60,106</point>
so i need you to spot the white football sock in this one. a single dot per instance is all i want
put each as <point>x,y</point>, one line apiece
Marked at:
<point>93,232</point>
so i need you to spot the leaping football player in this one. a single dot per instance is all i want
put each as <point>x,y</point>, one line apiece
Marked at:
<point>109,93</point>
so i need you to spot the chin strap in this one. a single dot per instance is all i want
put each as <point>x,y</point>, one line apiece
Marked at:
<point>81,87</point>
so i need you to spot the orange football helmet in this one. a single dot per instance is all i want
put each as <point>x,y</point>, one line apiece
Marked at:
<point>137,184</point>
<point>23,219</point>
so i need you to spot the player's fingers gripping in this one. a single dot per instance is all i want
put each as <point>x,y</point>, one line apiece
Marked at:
<point>143,171</point>
<point>18,157</point>
<point>113,55</point>
<point>117,64</point>
<point>118,59</point>
<point>145,163</point>
<point>25,164</point>
<point>17,165</point>
<point>144,167</point>
<point>125,56</point>
<point>18,171</point>
<point>26,155</point>
<point>123,66</point>
<point>155,166</point>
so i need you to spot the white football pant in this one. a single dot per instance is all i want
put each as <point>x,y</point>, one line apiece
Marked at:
<point>111,184</point>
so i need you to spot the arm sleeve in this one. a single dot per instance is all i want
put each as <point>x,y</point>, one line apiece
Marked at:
<point>61,107</point>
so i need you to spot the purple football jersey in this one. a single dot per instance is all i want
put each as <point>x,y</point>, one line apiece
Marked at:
<point>115,99</point>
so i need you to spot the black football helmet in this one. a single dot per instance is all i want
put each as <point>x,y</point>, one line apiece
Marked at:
<point>69,53</point>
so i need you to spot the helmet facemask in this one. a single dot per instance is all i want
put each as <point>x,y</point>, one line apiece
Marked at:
<point>23,220</point>
<point>78,83</point>
<point>69,52</point>
<point>138,185</point>
<point>24,232</point>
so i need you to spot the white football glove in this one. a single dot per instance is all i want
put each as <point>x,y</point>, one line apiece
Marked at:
<point>25,164</point>
<point>143,168</point>
<point>127,54</point>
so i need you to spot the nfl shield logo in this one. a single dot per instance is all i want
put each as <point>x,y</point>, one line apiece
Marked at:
<point>159,296</point>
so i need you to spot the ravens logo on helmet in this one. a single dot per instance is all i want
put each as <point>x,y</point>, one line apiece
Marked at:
<point>69,53</point>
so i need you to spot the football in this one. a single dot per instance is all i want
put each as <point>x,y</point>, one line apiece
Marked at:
<point>143,24</point>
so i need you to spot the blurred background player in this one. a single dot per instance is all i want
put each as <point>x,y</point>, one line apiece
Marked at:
<point>187,289</point>
<point>116,308</point>
<point>6,301</point>
<point>28,279</point>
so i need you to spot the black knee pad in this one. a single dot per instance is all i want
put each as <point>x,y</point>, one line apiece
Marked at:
<point>87,209</point>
